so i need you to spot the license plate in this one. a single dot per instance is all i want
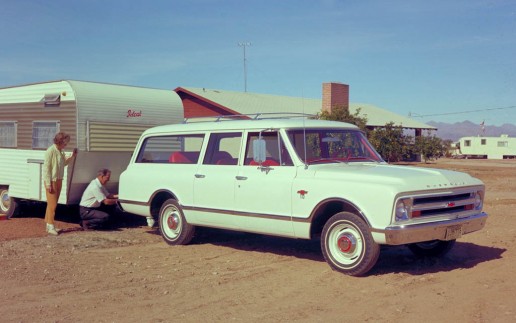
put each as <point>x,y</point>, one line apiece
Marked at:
<point>453,232</point>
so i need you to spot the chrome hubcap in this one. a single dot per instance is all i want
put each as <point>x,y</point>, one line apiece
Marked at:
<point>173,221</point>
<point>347,243</point>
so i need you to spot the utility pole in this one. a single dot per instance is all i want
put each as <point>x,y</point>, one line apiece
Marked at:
<point>244,45</point>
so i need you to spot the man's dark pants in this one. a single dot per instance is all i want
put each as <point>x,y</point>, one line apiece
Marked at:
<point>95,218</point>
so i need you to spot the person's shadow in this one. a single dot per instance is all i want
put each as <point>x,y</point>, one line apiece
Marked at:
<point>70,214</point>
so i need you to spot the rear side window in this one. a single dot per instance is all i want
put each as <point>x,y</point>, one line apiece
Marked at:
<point>180,149</point>
<point>223,149</point>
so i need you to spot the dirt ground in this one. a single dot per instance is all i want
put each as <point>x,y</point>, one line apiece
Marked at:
<point>131,275</point>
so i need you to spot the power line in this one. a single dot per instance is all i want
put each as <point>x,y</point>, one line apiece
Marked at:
<point>460,112</point>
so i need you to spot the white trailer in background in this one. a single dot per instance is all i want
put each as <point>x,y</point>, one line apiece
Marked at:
<point>502,147</point>
<point>103,120</point>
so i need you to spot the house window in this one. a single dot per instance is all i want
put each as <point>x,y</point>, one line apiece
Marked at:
<point>8,130</point>
<point>483,141</point>
<point>467,143</point>
<point>503,144</point>
<point>43,133</point>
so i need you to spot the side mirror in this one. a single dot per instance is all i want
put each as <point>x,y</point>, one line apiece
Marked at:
<point>259,150</point>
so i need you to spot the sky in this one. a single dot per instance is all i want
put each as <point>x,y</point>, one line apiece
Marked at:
<point>442,60</point>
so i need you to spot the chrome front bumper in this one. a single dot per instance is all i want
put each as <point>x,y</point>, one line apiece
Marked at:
<point>443,230</point>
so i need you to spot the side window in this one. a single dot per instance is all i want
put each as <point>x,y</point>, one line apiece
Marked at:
<point>276,153</point>
<point>223,149</point>
<point>181,149</point>
<point>43,133</point>
<point>8,130</point>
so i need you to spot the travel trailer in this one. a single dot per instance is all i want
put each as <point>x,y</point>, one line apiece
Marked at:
<point>503,147</point>
<point>103,120</point>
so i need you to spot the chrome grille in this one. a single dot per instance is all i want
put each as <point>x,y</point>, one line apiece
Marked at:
<point>443,204</point>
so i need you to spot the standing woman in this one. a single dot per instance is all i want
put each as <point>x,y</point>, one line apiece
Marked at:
<point>53,173</point>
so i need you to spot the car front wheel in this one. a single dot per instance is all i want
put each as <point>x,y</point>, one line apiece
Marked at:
<point>347,244</point>
<point>172,224</point>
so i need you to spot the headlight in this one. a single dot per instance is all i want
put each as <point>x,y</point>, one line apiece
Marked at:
<point>478,201</point>
<point>403,209</point>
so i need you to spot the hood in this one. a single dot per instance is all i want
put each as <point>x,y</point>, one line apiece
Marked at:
<point>405,178</point>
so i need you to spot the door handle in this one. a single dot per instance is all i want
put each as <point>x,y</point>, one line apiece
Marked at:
<point>200,176</point>
<point>241,178</point>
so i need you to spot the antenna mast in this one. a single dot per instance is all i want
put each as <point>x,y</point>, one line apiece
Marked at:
<point>244,45</point>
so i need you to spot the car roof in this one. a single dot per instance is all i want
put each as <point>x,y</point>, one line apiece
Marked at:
<point>254,124</point>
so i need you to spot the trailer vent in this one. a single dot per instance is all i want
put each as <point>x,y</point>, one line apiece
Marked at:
<point>52,100</point>
<point>114,136</point>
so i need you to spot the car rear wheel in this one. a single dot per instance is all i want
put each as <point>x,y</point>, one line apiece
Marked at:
<point>347,244</point>
<point>434,248</point>
<point>172,224</point>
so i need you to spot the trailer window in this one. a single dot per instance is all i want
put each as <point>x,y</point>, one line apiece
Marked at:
<point>8,130</point>
<point>183,149</point>
<point>43,133</point>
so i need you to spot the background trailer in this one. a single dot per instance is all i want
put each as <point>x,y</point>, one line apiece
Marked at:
<point>104,121</point>
<point>503,147</point>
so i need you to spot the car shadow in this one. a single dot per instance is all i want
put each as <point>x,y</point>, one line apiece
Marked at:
<point>70,214</point>
<point>393,259</point>
<point>464,255</point>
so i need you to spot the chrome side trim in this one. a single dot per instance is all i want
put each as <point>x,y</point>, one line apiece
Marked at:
<point>236,213</point>
<point>134,202</point>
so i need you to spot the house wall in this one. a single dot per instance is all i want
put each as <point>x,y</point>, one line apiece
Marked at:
<point>197,107</point>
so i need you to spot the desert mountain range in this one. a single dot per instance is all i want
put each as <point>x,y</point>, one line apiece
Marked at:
<point>455,131</point>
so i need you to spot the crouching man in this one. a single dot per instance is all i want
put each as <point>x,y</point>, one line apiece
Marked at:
<point>97,205</point>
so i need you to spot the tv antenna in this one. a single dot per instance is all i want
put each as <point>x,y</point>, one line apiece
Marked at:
<point>244,45</point>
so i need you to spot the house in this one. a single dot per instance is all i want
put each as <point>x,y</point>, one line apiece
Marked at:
<point>201,102</point>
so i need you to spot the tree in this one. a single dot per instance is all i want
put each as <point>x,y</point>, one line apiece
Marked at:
<point>341,113</point>
<point>390,142</point>
<point>430,147</point>
<point>447,145</point>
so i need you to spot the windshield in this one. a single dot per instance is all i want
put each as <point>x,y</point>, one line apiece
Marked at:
<point>332,146</point>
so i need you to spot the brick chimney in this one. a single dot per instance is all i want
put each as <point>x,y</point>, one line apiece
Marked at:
<point>334,94</point>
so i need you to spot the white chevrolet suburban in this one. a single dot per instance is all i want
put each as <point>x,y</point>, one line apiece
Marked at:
<point>298,178</point>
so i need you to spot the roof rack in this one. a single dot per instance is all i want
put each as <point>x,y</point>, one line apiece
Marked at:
<point>251,116</point>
